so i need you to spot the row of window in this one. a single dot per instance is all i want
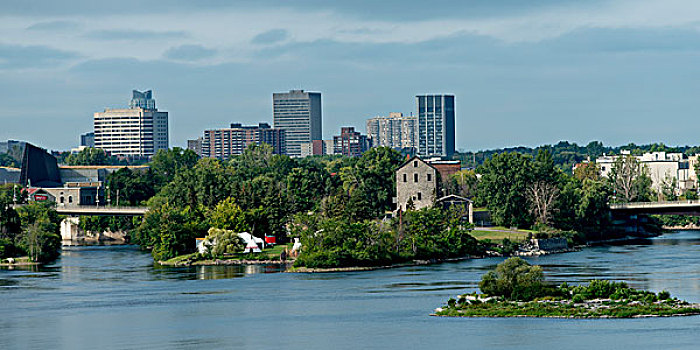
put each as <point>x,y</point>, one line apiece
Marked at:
<point>429,177</point>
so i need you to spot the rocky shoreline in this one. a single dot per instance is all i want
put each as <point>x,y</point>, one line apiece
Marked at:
<point>371,268</point>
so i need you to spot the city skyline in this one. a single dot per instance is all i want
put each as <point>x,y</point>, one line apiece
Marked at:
<point>525,74</point>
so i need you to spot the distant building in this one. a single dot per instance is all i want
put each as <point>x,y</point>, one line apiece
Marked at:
<point>317,148</point>
<point>396,131</point>
<point>436,125</point>
<point>298,113</point>
<point>350,143</point>
<point>661,167</point>
<point>416,184</point>
<point>224,143</point>
<point>445,167</point>
<point>87,140</point>
<point>141,130</point>
<point>195,146</point>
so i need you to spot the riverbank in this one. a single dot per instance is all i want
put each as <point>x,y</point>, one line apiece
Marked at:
<point>597,308</point>
<point>371,268</point>
<point>21,261</point>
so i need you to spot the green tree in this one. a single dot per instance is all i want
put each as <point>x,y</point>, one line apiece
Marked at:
<point>504,180</point>
<point>41,245</point>
<point>128,187</point>
<point>40,236</point>
<point>89,156</point>
<point>227,215</point>
<point>224,242</point>
<point>170,231</point>
<point>514,279</point>
<point>462,183</point>
<point>370,183</point>
<point>629,180</point>
<point>7,161</point>
<point>167,163</point>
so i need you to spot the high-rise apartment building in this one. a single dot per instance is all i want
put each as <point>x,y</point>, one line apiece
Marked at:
<point>87,139</point>
<point>350,143</point>
<point>195,145</point>
<point>435,132</point>
<point>141,130</point>
<point>396,131</point>
<point>298,113</point>
<point>224,143</point>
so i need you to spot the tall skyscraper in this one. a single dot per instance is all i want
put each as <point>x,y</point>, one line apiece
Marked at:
<point>224,143</point>
<point>395,131</point>
<point>436,125</point>
<point>298,113</point>
<point>141,130</point>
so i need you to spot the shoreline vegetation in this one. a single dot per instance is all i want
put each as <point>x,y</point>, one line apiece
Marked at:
<point>517,289</point>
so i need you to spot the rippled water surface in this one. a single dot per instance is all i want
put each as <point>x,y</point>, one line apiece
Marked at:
<point>115,298</point>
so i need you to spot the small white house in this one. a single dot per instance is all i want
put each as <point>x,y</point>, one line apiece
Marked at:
<point>252,244</point>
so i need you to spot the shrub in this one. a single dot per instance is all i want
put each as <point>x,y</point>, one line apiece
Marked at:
<point>578,298</point>
<point>514,279</point>
<point>664,295</point>
<point>451,302</point>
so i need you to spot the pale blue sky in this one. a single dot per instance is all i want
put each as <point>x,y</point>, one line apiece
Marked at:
<point>524,73</point>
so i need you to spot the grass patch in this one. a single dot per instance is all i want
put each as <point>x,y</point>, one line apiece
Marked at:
<point>568,309</point>
<point>498,236</point>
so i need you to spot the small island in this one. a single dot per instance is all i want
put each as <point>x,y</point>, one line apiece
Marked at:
<point>517,289</point>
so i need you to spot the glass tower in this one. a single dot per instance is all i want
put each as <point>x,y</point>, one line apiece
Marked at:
<point>435,132</point>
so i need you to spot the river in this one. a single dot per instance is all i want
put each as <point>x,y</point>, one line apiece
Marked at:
<point>113,297</point>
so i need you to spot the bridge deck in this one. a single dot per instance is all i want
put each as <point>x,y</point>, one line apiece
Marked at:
<point>687,207</point>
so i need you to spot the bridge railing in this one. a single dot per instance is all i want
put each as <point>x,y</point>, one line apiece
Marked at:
<point>641,205</point>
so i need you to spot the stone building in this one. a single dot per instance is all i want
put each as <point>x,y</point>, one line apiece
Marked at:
<point>416,182</point>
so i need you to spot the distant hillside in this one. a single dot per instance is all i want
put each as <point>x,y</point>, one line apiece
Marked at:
<point>566,154</point>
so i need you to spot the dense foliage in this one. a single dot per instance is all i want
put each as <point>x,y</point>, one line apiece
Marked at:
<point>257,191</point>
<point>429,233</point>
<point>514,279</point>
<point>566,154</point>
<point>31,230</point>
<point>7,161</point>
<point>224,242</point>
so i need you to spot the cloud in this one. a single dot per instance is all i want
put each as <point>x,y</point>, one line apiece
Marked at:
<point>53,26</point>
<point>388,10</point>
<point>18,57</point>
<point>128,34</point>
<point>271,36</point>
<point>612,40</point>
<point>189,53</point>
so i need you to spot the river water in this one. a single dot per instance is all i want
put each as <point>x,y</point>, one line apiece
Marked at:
<point>113,297</point>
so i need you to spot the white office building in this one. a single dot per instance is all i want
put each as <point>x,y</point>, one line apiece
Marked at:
<point>139,131</point>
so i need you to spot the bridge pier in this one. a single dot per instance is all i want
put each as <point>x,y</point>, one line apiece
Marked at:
<point>72,234</point>
<point>70,228</point>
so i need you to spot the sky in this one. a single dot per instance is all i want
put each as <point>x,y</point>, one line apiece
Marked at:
<point>522,72</point>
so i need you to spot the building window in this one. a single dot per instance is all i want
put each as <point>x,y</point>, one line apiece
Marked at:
<point>419,196</point>
<point>70,199</point>
<point>430,177</point>
<point>404,178</point>
<point>415,163</point>
<point>61,200</point>
<point>415,177</point>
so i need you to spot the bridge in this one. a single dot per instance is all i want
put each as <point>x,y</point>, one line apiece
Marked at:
<point>89,210</point>
<point>687,207</point>
<point>85,210</point>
